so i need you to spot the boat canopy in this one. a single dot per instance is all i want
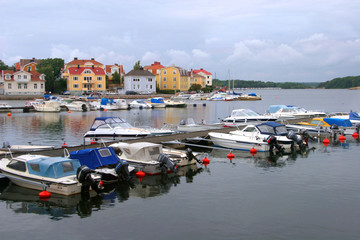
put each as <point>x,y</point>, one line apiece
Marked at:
<point>53,167</point>
<point>340,122</point>
<point>272,128</point>
<point>243,113</point>
<point>354,115</point>
<point>142,151</point>
<point>99,121</point>
<point>105,101</point>
<point>96,157</point>
<point>276,108</point>
<point>252,94</point>
<point>157,100</point>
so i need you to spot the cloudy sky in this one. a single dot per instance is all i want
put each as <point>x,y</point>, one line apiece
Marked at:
<point>268,40</point>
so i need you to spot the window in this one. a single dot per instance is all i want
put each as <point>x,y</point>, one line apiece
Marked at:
<point>174,79</point>
<point>174,86</point>
<point>87,72</point>
<point>149,79</point>
<point>164,79</point>
<point>17,165</point>
<point>174,72</point>
<point>134,87</point>
<point>35,167</point>
<point>7,77</point>
<point>35,85</point>
<point>99,78</point>
<point>164,85</point>
<point>42,86</point>
<point>67,167</point>
<point>136,80</point>
<point>9,85</point>
<point>29,69</point>
<point>19,76</point>
<point>25,76</point>
<point>25,85</point>
<point>76,86</point>
<point>99,86</point>
<point>164,71</point>
<point>75,78</point>
<point>150,86</point>
<point>88,79</point>
<point>19,86</point>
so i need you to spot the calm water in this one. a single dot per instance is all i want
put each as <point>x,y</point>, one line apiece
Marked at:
<point>313,195</point>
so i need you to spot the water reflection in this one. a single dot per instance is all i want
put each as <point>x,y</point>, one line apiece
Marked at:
<point>58,207</point>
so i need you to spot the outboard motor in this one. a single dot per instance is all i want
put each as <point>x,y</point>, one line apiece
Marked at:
<point>190,155</point>
<point>272,141</point>
<point>296,138</point>
<point>83,175</point>
<point>122,170</point>
<point>166,163</point>
<point>334,130</point>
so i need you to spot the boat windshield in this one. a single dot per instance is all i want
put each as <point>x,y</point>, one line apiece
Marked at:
<point>243,113</point>
<point>108,122</point>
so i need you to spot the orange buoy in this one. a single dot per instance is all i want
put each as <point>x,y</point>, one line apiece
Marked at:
<point>64,145</point>
<point>253,151</point>
<point>230,156</point>
<point>342,138</point>
<point>326,142</point>
<point>69,111</point>
<point>205,161</point>
<point>140,174</point>
<point>9,114</point>
<point>105,110</point>
<point>44,195</point>
<point>355,135</point>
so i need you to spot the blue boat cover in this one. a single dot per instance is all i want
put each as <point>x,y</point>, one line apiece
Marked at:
<point>252,94</point>
<point>105,101</point>
<point>53,167</point>
<point>157,100</point>
<point>272,128</point>
<point>338,121</point>
<point>96,157</point>
<point>354,115</point>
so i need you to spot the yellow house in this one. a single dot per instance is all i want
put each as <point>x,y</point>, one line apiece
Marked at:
<point>84,76</point>
<point>173,78</point>
<point>198,79</point>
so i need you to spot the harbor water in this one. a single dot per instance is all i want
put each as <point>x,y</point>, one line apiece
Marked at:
<point>309,195</point>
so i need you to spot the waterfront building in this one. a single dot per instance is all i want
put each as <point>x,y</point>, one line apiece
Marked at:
<point>174,78</point>
<point>111,69</point>
<point>22,83</point>
<point>198,79</point>
<point>84,76</point>
<point>28,65</point>
<point>140,81</point>
<point>204,73</point>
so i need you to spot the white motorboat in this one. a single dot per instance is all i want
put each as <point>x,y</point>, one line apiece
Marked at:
<point>354,117</point>
<point>78,106</point>
<point>140,104</point>
<point>109,104</point>
<point>157,102</point>
<point>58,175</point>
<point>284,112</point>
<point>191,126</point>
<point>4,106</point>
<point>25,148</point>
<point>152,158</point>
<point>263,137</point>
<point>174,103</point>
<point>246,116</point>
<point>112,127</point>
<point>31,103</point>
<point>48,106</point>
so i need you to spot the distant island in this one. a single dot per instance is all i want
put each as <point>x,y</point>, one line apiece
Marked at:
<point>350,82</point>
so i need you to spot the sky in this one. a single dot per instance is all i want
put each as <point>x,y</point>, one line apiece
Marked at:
<point>267,40</point>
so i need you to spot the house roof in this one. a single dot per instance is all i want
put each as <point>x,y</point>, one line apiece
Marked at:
<point>23,62</point>
<point>198,75</point>
<point>35,75</point>
<point>154,66</point>
<point>201,70</point>
<point>79,71</point>
<point>108,68</point>
<point>139,72</point>
<point>82,62</point>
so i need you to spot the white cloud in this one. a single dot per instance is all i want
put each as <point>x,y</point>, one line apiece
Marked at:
<point>149,58</point>
<point>178,57</point>
<point>199,54</point>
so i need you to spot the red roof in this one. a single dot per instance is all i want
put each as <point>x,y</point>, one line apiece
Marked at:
<point>108,68</point>
<point>201,70</point>
<point>35,75</point>
<point>79,71</point>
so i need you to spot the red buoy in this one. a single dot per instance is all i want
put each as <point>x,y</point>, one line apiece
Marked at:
<point>9,114</point>
<point>69,111</point>
<point>101,183</point>
<point>230,156</point>
<point>93,142</point>
<point>205,161</point>
<point>342,138</point>
<point>253,151</point>
<point>44,195</point>
<point>64,145</point>
<point>140,174</point>
<point>326,142</point>
<point>355,135</point>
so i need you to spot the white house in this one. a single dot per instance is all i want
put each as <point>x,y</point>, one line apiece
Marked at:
<point>22,82</point>
<point>140,81</point>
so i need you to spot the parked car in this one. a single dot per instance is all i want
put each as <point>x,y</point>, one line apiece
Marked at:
<point>131,93</point>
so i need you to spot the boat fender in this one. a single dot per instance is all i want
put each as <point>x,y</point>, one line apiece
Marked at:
<point>122,170</point>
<point>166,163</point>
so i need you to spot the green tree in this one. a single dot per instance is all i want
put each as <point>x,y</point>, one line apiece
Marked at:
<point>195,87</point>
<point>3,66</point>
<point>51,67</point>
<point>137,65</point>
<point>116,77</point>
